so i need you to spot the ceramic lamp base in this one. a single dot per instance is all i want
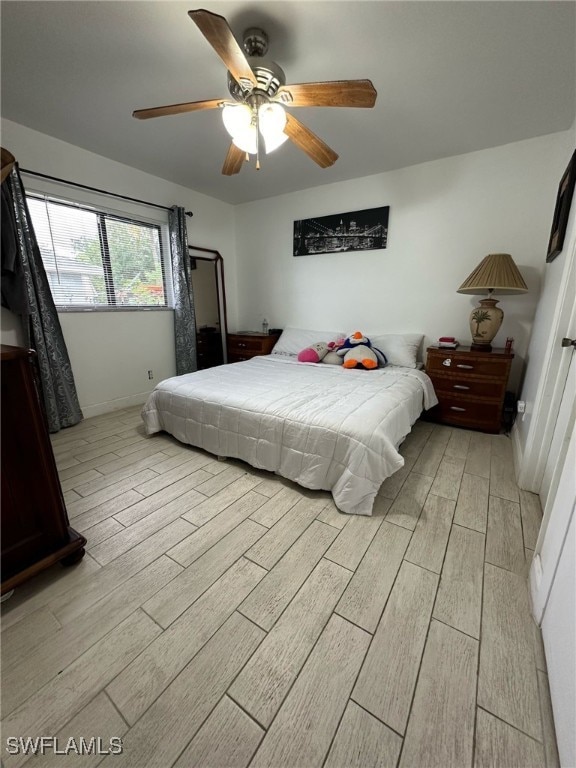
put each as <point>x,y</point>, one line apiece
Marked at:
<point>485,322</point>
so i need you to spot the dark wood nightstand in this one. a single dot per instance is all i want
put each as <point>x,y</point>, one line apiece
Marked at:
<point>470,385</point>
<point>209,349</point>
<point>243,346</point>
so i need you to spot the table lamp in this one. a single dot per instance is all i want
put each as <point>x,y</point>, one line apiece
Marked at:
<point>496,272</point>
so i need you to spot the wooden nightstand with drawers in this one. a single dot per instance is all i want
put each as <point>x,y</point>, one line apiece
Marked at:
<point>209,348</point>
<point>243,346</point>
<point>470,385</point>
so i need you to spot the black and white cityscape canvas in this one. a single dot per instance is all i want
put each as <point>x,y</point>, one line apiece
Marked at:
<point>365,230</point>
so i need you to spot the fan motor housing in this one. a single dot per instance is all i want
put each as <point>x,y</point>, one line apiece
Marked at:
<point>269,75</point>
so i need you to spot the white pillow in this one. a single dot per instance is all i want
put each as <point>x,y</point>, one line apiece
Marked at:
<point>399,348</point>
<point>294,340</point>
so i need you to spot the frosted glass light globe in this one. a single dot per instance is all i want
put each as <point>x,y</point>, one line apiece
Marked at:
<point>237,118</point>
<point>246,139</point>
<point>273,141</point>
<point>272,117</point>
<point>272,121</point>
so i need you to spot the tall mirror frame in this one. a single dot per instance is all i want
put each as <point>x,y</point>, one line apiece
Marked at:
<point>210,255</point>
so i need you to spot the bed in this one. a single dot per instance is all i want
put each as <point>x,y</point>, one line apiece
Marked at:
<point>322,426</point>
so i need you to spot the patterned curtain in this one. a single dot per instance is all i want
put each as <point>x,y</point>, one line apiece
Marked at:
<point>184,320</point>
<point>27,293</point>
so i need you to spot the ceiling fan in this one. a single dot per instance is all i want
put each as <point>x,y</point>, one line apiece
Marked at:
<point>254,111</point>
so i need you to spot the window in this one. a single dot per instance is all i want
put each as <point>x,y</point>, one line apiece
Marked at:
<point>98,259</point>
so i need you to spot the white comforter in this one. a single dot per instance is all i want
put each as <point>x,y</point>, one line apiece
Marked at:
<point>322,426</point>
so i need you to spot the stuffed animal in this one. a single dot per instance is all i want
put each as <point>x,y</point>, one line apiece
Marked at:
<point>315,353</point>
<point>332,357</point>
<point>358,352</point>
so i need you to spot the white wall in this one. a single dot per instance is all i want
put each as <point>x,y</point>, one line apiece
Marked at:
<point>445,216</point>
<point>111,353</point>
<point>553,280</point>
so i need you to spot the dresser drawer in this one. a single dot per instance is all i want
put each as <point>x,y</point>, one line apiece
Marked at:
<point>468,365</point>
<point>460,385</point>
<point>468,413</point>
<point>244,346</point>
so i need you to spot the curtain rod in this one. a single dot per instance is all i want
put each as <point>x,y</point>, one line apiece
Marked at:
<point>100,191</point>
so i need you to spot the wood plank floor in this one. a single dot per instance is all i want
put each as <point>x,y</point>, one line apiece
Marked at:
<point>223,616</point>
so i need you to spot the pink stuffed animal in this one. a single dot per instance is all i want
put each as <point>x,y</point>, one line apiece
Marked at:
<point>315,353</point>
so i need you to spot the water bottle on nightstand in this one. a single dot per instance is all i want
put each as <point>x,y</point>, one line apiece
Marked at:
<point>265,327</point>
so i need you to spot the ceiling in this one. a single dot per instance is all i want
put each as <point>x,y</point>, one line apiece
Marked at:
<point>452,77</point>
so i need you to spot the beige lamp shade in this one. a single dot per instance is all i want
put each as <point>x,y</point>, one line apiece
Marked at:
<point>495,273</point>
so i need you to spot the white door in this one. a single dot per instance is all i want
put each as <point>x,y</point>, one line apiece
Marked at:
<point>559,633</point>
<point>553,574</point>
<point>551,544</point>
<point>549,467</point>
<point>561,436</point>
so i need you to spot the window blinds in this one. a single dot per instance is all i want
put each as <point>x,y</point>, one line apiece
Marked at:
<point>97,259</point>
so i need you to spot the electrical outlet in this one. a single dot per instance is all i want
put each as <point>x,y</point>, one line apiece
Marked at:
<point>521,406</point>
<point>150,375</point>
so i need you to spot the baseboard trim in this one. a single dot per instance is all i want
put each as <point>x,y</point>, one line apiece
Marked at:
<point>97,409</point>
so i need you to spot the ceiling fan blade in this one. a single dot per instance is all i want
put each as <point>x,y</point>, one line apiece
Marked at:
<point>308,142</point>
<point>234,160</point>
<point>177,109</point>
<point>334,93</point>
<point>217,32</point>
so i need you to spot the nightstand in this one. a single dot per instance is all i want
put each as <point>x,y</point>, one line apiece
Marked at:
<point>243,346</point>
<point>470,385</point>
<point>209,349</point>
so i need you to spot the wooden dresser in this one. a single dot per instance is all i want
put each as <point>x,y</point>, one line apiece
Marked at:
<point>243,346</point>
<point>470,385</point>
<point>35,529</point>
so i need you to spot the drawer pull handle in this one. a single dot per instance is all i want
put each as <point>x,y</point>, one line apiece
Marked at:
<point>447,362</point>
<point>460,386</point>
<point>468,367</point>
<point>455,408</point>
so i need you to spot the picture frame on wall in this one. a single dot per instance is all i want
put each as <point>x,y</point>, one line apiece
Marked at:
<point>364,230</point>
<point>562,210</point>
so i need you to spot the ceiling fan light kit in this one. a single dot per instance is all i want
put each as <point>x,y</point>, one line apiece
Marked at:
<point>259,94</point>
<point>244,122</point>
